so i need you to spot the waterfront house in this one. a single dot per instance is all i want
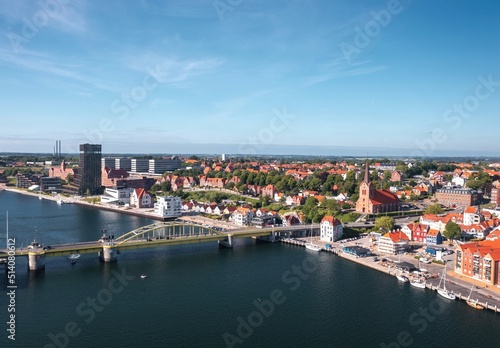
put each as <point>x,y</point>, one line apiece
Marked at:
<point>395,242</point>
<point>141,199</point>
<point>331,229</point>
<point>168,206</point>
<point>356,250</point>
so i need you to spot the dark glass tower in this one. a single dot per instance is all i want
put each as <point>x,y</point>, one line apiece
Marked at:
<point>88,178</point>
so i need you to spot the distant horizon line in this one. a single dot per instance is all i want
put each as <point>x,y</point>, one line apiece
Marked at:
<point>233,155</point>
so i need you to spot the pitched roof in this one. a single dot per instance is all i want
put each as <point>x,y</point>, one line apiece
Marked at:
<point>332,220</point>
<point>396,236</point>
<point>384,197</point>
<point>433,233</point>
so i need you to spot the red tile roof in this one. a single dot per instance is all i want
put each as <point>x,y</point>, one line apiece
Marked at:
<point>332,220</point>
<point>384,197</point>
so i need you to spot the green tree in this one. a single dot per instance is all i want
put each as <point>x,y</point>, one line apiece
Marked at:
<point>166,186</point>
<point>434,209</point>
<point>384,222</point>
<point>452,231</point>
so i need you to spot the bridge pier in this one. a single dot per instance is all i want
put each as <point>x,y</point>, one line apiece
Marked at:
<point>226,243</point>
<point>272,238</point>
<point>108,253</point>
<point>36,260</point>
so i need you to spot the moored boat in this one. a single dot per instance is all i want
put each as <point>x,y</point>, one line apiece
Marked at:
<point>402,278</point>
<point>473,304</point>
<point>418,283</point>
<point>313,247</point>
<point>442,291</point>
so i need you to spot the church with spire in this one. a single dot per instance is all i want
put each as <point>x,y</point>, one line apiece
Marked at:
<point>373,201</point>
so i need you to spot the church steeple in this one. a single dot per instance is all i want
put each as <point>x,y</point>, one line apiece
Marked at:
<point>367,173</point>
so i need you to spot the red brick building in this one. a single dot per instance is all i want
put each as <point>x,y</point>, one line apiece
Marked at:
<point>372,201</point>
<point>479,261</point>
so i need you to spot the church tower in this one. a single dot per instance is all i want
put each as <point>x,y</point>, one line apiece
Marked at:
<point>366,192</point>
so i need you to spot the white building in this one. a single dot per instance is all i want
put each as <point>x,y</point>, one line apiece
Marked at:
<point>168,206</point>
<point>472,216</point>
<point>112,195</point>
<point>141,199</point>
<point>331,229</point>
<point>393,243</point>
<point>242,216</point>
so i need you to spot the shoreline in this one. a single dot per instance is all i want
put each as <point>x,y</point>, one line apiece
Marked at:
<point>72,200</point>
<point>456,280</point>
<point>461,286</point>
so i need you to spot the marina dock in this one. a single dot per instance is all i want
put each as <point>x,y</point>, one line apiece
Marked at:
<point>461,288</point>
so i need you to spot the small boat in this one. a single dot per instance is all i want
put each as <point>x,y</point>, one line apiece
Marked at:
<point>143,276</point>
<point>313,247</point>
<point>473,304</point>
<point>59,201</point>
<point>402,278</point>
<point>418,283</point>
<point>73,257</point>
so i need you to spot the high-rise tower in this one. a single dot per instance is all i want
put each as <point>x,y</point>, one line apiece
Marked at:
<point>88,178</point>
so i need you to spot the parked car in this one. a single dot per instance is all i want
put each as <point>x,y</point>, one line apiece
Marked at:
<point>47,247</point>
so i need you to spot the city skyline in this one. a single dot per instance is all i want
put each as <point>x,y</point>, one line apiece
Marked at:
<point>250,77</point>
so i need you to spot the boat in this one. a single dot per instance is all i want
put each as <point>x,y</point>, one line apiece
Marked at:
<point>59,201</point>
<point>402,278</point>
<point>73,257</point>
<point>418,283</point>
<point>473,304</point>
<point>313,247</point>
<point>442,291</point>
<point>310,245</point>
<point>143,276</point>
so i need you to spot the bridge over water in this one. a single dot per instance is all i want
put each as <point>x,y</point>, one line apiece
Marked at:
<point>151,236</point>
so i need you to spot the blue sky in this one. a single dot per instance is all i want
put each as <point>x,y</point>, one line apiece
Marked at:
<point>239,76</point>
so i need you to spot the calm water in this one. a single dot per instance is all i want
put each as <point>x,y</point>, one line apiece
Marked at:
<point>198,295</point>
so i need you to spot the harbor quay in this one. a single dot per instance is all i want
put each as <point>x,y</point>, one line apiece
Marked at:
<point>487,296</point>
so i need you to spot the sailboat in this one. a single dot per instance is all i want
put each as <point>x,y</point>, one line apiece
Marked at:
<point>310,245</point>
<point>473,304</point>
<point>442,291</point>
